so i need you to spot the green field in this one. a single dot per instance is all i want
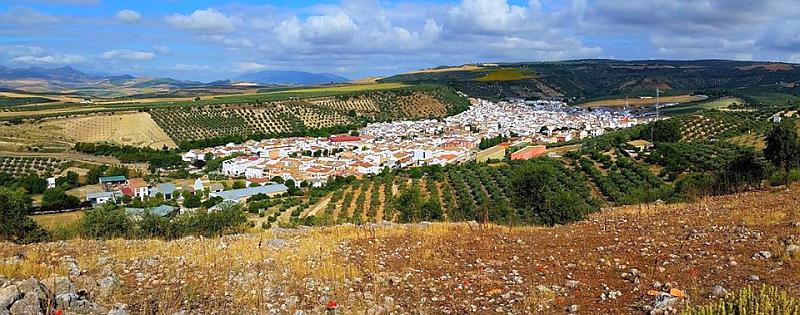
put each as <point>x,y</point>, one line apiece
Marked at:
<point>16,101</point>
<point>504,75</point>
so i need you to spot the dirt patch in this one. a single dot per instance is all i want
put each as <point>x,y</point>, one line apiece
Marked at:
<point>768,67</point>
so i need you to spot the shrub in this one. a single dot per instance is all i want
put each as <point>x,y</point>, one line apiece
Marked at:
<point>106,222</point>
<point>767,300</point>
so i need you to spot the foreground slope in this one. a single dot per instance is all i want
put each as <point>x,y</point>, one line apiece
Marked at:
<point>445,268</point>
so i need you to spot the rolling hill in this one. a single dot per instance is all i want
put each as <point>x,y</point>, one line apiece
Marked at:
<point>583,80</point>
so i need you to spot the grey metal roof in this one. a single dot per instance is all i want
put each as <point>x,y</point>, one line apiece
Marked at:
<point>237,194</point>
<point>161,211</point>
<point>99,194</point>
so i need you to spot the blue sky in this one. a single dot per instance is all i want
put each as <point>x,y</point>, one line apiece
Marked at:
<point>208,40</point>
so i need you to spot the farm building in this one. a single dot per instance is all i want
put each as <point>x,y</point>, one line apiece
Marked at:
<point>493,153</point>
<point>102,197</point>
<point>241,195</point>
<point>529,152</point>
<point>112,183</point>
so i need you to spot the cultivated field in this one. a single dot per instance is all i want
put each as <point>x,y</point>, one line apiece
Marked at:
<point>618,102</point>
<point>444,267</point>
<point>136,129</point>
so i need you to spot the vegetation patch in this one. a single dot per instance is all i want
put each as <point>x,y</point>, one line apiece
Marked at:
<point>506,75</point>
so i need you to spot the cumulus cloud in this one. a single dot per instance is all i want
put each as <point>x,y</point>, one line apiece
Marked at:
<point>50,59</point>
<point>129,55</point>
<point>206,21</point>
<point>129,16</point>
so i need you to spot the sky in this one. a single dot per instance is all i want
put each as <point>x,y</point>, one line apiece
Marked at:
<point>208,40</point>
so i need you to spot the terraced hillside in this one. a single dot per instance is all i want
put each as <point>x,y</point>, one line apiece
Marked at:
<point>585,80</point>
<point>299,116</point>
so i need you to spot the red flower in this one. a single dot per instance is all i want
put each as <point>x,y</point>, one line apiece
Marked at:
<point>58,312</point>
<point>332,305</point>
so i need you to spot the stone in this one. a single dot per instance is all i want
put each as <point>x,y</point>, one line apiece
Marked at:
<point>376,310</point>
<point>753,278</point>
<point>8,295</point>
<point>664,303</point>
<point>76,301</point>
<point>29,304</point>
<point>59,285</point>
<point>764,254</point>
<point>119,309</point>
<point>572,309</point>
<point>572,284</point>
<point>107,282</point>
<point>473,225</point>
<point>72,265</point>
<point>792,250</point>
<point>719,291</point>
<point>277,243</point>
<point>299,312</point>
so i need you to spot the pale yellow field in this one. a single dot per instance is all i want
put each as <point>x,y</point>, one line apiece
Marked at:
<point>136,129</point>
<point>643,101</point>
<point>448,69</point>
<point>132,128</point>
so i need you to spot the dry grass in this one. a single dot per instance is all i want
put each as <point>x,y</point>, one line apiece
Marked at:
<point>52,221</point>
<point>642,101</point>
<point>448,268</point>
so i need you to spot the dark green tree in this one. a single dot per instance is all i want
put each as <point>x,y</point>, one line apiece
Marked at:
<point>783,148</point>
<point>15,225</point>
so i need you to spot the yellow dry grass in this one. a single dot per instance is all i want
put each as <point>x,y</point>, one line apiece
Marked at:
<point>617,102</point>
<point>54,220</point>
<point>136,129</point>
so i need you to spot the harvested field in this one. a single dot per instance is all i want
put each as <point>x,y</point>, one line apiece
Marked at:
<point>448,69</point>
<point>618,102</point>
<point>449,268</point>
<point>136,129</point>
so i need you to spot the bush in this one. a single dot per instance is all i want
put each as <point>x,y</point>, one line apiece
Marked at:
<point>106,222</point>
<point>767,300</point>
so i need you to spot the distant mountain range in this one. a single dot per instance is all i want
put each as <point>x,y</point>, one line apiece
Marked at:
<point>290,78</point>
<point>66,78</point>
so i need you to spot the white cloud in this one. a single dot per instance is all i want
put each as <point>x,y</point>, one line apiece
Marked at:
<point>205,21</point>
<point>488,16</point>
<point>129,16</point>
<point>248,67</point>
<point>23,15</point>
<point>50,59</point>
<point>130,55</point>
<point>20,50</point>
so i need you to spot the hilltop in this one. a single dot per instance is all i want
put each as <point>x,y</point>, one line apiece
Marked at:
<point>605,264</point>
<point>585,80</point>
